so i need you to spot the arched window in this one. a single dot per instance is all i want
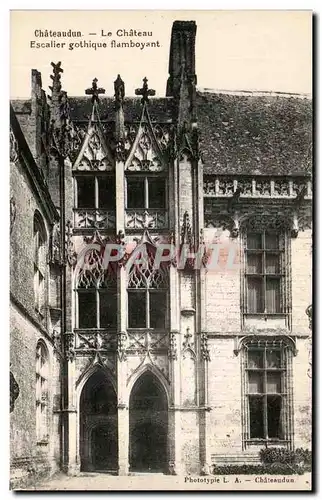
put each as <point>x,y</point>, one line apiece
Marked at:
<point>148,293</point>
<point>42,397</point>
<point>39,244</point>
<point>96,293</point>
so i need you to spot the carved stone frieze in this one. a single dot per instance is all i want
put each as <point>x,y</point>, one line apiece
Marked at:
<point>256,187</point>
<point>141,342</point>
<point>95,340</point>
<point>94,219</point>
<point>146,219</point>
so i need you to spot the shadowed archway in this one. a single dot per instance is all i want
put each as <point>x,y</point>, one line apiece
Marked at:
<point>148,425</point>
<point>98,425</point>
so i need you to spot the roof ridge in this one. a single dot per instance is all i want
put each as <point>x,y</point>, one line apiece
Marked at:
<point>255,93</point>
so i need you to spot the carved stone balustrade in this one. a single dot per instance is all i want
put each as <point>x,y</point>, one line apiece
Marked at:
<point>94,219</point>
<point>256,187</point>
<point>95,340</point>
<point>146,219</point>
<point>147,340</point>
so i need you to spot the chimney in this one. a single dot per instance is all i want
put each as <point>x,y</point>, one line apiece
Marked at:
<point>182,79</point>
<point>182,56</point>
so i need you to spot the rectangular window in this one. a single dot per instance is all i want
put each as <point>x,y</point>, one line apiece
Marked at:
<point>87,309</point>
<point>85,192</point>
<point>137,309</point>
<point>135,193</point>
<point>264,273</point>
<point>266,393</point>
<point>108,309</point>
<point>97,309</point>
<point>95,192</point>
<point>146,192</point>
<point>147,309</point>
<point>106,192</point>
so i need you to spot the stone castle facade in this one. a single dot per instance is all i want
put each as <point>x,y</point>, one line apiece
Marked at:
<point>200,361</point>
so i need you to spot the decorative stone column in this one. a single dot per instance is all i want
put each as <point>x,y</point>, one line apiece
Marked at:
<point>174,419</point>
<point>122,409</point>
<point>73,461</point>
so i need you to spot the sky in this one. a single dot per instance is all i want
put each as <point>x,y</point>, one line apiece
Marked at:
<point>235,50</point>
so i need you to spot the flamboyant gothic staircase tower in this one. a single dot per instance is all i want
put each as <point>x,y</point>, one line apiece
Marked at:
<point>134,355</point>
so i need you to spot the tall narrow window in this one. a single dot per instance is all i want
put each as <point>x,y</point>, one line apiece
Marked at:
<point>96,294</point>
<point>39,263</point>
<point>42,396</point>
<point>268,412</point>
<point>264,272</point>
<point>147,294</point>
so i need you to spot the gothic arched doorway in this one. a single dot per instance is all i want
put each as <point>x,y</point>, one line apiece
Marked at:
<point>148,425</point>
<point>98,425</point>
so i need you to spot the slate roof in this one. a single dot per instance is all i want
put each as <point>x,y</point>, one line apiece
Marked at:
<point>239,134</point>
<point>255,134</point>
<point>159,108</point>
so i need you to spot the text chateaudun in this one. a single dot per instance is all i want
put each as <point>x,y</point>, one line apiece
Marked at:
<point>78,34</point>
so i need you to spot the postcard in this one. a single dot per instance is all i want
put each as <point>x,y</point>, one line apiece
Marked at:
<point>161,250</point>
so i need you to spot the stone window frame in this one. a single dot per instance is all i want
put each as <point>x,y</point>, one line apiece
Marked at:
<point>98,280</point>
<point>146,177</point>
<point>259,227</point>
<point>96,200</point>
<point>42,372</point>
<point>39,263</point>
<point>145,279</point>
<point>286,348</point>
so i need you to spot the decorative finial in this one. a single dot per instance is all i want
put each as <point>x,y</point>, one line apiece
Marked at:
<point>119,91</point>
<point>94,91</point>
<point>145,92</point>
<point>57,69</point>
